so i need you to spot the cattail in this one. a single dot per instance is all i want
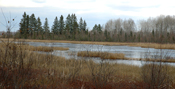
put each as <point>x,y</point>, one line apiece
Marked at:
<point>8,21</point>
<point>13,19</point>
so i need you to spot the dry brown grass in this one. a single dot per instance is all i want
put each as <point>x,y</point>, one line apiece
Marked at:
<point>56,70</point>
<point>102,55</point>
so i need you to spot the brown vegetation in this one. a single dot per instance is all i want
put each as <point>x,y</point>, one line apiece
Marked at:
<point>26,69</point>
<point>102,55</point>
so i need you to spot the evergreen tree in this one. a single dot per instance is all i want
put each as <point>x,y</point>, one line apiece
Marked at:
<point>39,26</point>
<point>95,28</point>
<point>74,23</point>
<point>99,28</point>
<point>27,27</point>
<point>55,27</point>
<point>33,23</point>
<point>84,25</point>
<point>81,25</point>
<point>23,23</point>
<point>68,23</point>
<point>61,24</point>
<point>46,27</point>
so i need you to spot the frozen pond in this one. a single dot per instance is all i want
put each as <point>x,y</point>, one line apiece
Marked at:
<point>130,52</point>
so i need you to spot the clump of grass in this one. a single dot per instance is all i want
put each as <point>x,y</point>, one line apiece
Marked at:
<point>102,55</point>
<point>60,48</point>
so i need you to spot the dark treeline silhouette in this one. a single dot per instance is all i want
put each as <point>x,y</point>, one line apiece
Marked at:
<point>159,29</point>
<point>32,28</point>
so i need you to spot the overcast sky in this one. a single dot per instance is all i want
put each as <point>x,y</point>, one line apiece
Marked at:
<point>93,11</point>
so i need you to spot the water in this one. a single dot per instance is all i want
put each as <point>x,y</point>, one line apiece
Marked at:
<point>130,52</point>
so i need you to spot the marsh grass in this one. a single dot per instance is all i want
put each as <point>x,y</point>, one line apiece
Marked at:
<point>102,55</point>
<point>22,68</point>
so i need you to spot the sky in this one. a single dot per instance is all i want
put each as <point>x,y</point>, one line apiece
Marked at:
<point>92,11</point>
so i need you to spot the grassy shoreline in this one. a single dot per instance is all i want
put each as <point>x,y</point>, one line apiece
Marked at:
<point>106,55</point>
<point>143,45</point>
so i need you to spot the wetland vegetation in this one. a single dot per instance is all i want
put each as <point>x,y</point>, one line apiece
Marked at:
<point>32,66</point>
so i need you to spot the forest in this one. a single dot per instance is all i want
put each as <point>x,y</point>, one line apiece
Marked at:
<point>159,29</point>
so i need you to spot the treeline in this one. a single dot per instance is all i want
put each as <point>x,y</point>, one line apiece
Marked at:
<point>30,27</point>
<point>159,29</point>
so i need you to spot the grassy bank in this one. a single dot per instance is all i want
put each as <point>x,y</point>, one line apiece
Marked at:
<point>144,45</point>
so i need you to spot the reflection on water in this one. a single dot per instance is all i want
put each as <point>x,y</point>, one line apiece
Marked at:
<point>130,52</point>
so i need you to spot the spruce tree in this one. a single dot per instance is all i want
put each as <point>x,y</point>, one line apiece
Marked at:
<point>27,24</point>
<point>33,22</point>
<point>81,25</point>
<point>61,24</point>
<point>23,24</point>
<point>99,28</point>
<point>55,27</point>
<point>68,23</point>
<point>32,25</point>
<point>84,25</point>
<point>27,27</point>
<point>95,28</point>
<point>46,27</point>
<point>74,23</point>
<point>39,26</point>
